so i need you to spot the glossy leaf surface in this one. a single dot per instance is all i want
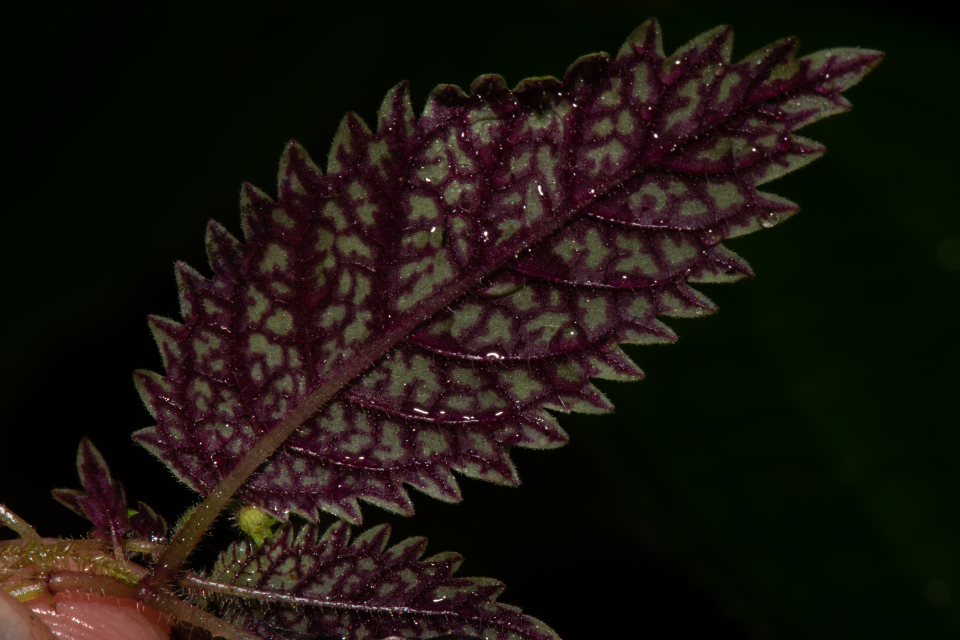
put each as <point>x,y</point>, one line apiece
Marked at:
<point>306,583</point>
<point>502,245</point>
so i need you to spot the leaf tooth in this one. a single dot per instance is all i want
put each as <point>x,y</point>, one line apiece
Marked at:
<point>766,211</point>
<point>299,179</point>
<point>597,399</point>
<point>183,463</point>
<point>407,550</point>
<point>508,471</point>
<point>545,431</point>
<point>166,334</point>
<point>437,482</point>
<point>765,59</point>
<point>486,460</point>
<point>443,100</point>
<point>340,144</point>
<point>149,439</point>
<point>647,39</point>
<point>615,364</point>
<point>803,151</point>
<point>450,560</point>
<point>253,204</point>
<point>652,332</point>
<point>336,534</point>
<point>543,628</point>
<point>724,266</point>
<point>711,46</point>
<point>91,466</point>
<point>346,142</point>
<point>808,107</point>
<point>68,498</point>
<point>589,400</point>
<point>538,91</point>
<point>189,284</point>
<point>735,259</point>
<point>489,86</point>
<point>224,251</point>
<point>393,498</point>
<point>347,509</point>
<point>375,537</point>
<point>147,383</point>
<point>395,117</point>
<point>585,71</point>
<point>153,389</point>
<point>253,198</point>
<point>683,302</point>
<point>488,588</point>
<point>698,300</point>
<point>358,126</point>
<point>844,67</point>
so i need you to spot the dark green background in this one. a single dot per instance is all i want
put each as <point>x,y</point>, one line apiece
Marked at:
<point>790,468</point>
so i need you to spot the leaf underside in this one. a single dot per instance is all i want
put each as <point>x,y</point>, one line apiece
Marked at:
<point>307,583</point>
<point>524,233</point>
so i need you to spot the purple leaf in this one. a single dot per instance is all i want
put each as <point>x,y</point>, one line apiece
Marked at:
<point>310,584</point>
<point>104,504</point>
<point>68,498</point>
<point>473,268</point>
<point>147,524</point>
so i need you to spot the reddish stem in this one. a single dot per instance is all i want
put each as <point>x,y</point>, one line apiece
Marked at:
<point>9,519</point>
<point>193,616</point>
<point>78,581</point>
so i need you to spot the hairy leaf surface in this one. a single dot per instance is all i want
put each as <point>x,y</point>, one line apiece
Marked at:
<point>308,583</point>
<point>471,269</point>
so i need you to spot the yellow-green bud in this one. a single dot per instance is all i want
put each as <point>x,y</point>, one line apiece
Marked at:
<point>256,523</point>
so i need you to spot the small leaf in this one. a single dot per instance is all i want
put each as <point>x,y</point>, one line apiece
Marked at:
<point>451,280</point>
<point>147,524</point>
<point>103,502</point>
<point>313,584</point>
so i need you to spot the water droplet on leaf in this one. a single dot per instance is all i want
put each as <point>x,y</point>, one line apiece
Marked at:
<point>710,237</point>
<point>767,220</point>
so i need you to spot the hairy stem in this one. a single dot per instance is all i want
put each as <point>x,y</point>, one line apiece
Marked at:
<point>9,519</point>
<point>78,581</point>
<point>142,546</point>
<point>191,615</point>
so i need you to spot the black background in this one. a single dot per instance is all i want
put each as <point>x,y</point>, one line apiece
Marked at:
<point>789,469</point>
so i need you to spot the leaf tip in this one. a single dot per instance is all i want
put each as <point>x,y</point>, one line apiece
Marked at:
<point>223,249</point>
<point>68,498</point>
<point>645,39</point>
<point>396,112</point>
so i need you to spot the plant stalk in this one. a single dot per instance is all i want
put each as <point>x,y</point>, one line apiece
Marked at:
<point>193,616</point>
<point>9,519</point>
